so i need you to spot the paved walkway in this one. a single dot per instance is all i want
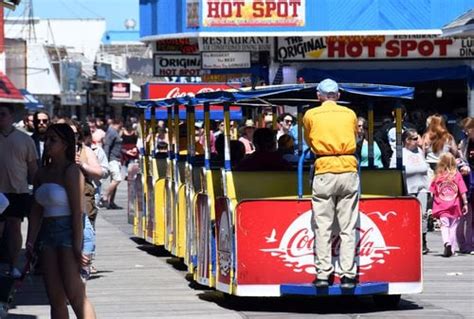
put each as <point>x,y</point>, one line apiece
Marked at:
<point>137,280</point>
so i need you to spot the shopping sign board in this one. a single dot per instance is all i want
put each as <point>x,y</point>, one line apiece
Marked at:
<point>121,90</point>
<point>226,60</point>
<point>173,46</point>
<point>71,81</point>
<point>235,44</point>
<point>372,48</point>
<point>176,65</point>
<point>276,245</point>
<point>192,13</point>
<point>171,90</point>
<point>253,13</point>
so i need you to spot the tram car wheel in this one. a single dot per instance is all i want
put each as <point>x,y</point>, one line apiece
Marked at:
<point>387,301</point>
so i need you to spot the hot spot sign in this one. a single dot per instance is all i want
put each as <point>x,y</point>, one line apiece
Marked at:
<point>225,13</point>
<point>372,47</point>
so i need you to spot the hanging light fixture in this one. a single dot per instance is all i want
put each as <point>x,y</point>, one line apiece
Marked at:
<point>439,93</point>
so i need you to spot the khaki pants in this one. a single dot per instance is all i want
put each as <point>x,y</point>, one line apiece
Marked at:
<point>335,206</point>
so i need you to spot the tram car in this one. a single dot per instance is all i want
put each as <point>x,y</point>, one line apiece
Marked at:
<point>249,233</point>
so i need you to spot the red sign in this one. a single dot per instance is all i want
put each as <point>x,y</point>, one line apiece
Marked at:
<point>372,47</point>
<point>185,46</point>
<point>172,90</point>
<point>275,246</point>
<point>247,13</point>
<point>121,90</point>
<point>2,31</point>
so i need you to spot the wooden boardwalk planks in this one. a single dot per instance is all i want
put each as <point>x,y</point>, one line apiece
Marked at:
<point>136,280</point>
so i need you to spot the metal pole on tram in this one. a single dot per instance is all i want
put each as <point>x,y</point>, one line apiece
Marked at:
<point>227,163</point>
<point>169,182</point>
<point>274,117</point>
<point>398,125</point>
<point>207,137</point>
<point>300,129</point>
<point>370,138</point>
<point>176,180</point>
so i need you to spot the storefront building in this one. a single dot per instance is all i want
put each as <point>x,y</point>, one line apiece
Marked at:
<point>285,41</point>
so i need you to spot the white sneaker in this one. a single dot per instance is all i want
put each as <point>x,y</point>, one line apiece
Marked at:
<point>15,273</point>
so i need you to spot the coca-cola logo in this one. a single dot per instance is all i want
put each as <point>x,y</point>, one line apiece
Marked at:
<point>177,92</point>
<point>296,246</point>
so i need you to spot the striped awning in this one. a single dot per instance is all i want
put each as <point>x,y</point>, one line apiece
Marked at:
<point>8,92</point>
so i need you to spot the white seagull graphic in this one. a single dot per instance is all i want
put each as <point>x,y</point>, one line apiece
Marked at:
<point>383,216</point>
<point>272,237</point>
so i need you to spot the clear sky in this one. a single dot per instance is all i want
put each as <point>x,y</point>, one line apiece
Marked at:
<point>115,12</point>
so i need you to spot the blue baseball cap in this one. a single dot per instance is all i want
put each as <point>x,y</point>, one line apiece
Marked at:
<point>328,86</point>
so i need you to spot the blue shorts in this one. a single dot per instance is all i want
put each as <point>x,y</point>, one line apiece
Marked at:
<point>88,243</point>
<point>56,232</point>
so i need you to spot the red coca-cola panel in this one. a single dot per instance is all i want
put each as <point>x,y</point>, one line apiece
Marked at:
<point>274,241</point>
<point>172,90</point>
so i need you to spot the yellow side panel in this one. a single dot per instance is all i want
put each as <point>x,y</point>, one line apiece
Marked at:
<point>181,218</point>
<point>382,182</point>
<point>159,227</point>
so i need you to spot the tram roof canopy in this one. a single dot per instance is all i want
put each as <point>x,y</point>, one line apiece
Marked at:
<point>291,95</point>
<point>215,113</point>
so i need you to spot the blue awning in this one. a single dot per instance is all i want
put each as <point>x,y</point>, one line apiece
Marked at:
<point>291,95</point>
<point>388,76</point>
<point>31,104</point>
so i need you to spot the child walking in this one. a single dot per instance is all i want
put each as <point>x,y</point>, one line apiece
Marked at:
<point>448,188</point>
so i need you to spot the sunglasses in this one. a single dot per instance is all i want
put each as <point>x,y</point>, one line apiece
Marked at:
<point>42,121</point>
<point>288,121</point>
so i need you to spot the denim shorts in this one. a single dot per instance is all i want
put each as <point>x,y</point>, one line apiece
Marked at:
<point>56,232</point>
<point>88,242</point>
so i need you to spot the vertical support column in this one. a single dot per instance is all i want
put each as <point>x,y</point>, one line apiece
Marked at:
<point>300,129</point>
<point>207,137</point>
<point>274,117</point>
<point>170,134</point>
<point>398,127</point>
<point>176,130</point>
<point>370,138</point>
<point>470,91</point>
<point>227,164</point>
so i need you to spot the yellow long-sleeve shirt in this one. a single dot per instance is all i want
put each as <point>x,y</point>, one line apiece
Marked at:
<point>330,131</point>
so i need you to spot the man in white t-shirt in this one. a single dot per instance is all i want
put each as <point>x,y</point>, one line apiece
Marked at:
<point>18,160</point>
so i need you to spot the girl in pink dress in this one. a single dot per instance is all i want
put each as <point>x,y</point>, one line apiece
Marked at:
<point>448,189</point>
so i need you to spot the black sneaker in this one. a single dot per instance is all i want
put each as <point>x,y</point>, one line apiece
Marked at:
<point>425,250</point>
<point>348,283</point>
<point>114,206</point>
<point>102,204</point>
<point>321,283</point>
<point>447,250</point>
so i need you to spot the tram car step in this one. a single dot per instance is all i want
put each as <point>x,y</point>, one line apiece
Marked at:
<point>366,288</point>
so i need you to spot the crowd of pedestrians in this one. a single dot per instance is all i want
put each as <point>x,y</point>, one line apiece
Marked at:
<point>53,162</point>
<point>53,170</point>
<point>275,148</point>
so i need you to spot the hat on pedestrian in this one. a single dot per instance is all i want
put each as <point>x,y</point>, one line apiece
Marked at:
<point>249,123</point>
<point>328,86</point>
<point>199,124</point>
